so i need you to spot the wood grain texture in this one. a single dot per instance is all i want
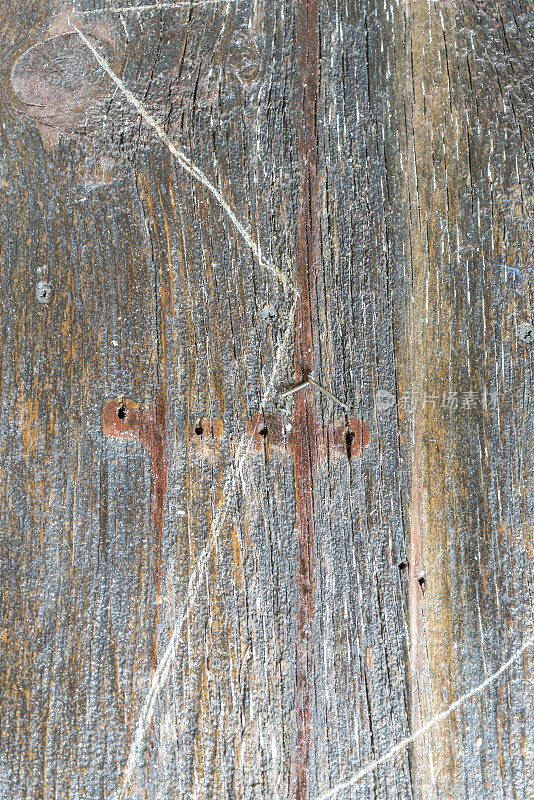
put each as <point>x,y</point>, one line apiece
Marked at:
<point>470,137</point>
<point>209,590</point>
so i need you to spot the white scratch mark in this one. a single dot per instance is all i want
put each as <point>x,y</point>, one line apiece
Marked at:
<point>155,7</point>
<point>186,162</point>
<point>400,746</point>
<point>197,576</point>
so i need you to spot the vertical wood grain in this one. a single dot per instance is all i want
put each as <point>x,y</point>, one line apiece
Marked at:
<point>328,580</point>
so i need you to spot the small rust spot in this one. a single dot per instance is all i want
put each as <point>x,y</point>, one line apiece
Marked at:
<point>206,441</point>
<point>348,439</point>
<point>269,430</point>
<point>123,419</point>
<point>357,436</point>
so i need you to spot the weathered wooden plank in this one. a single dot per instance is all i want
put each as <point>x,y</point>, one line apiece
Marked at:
<point>468,154</point>
<point>209,589</point>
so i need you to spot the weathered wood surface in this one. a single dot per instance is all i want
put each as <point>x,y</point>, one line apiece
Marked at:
<point>209,590</point>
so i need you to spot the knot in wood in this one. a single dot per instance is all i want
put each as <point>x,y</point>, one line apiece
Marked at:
<point>60,86</point>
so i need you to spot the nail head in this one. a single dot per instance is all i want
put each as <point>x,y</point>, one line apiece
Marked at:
<point>43,292</point>
<point>526,332</point>
<point>269,313</point>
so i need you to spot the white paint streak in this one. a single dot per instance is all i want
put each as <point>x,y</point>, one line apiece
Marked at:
<point>400,746</point>
<point>155,7</point>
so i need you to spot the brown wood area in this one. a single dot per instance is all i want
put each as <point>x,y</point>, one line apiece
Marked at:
<point>213,586</point>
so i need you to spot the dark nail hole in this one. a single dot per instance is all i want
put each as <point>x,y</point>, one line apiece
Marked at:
<point>121,412</point>
<point>402,565</point>
<point>349,438</point>
<point>421,580</point>
<point>263,431</point>
<point>199,430</point>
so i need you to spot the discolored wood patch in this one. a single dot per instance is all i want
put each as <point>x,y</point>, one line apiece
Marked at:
<point>123,419</point>
<point>57,82</point>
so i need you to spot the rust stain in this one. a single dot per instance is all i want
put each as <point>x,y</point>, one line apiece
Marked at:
<point>207,439</point>
<point>154,439</point>
<point>347,438</point>
<point>123,418</point>
<point>305,419</point>
<point>351,437</point>
<point>305,453</point>
<point>269,430</point>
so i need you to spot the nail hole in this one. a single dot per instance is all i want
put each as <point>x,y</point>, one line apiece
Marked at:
<point>263,431</point>
<point>199,430</point>
<point>121,412</point>
<point>421,580</point>
<point>402,565</point>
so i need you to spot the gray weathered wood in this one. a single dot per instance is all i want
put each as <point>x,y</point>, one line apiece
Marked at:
<point>296,588</point>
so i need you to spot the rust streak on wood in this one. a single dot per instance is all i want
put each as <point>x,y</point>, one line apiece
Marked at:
<point>154,438</point>
<point>123,418</point>
<point>305,419</point>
